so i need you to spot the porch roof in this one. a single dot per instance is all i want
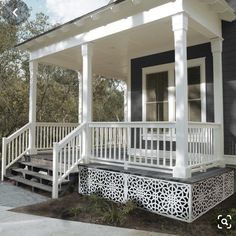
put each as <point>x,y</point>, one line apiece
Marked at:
<point>113,50</point>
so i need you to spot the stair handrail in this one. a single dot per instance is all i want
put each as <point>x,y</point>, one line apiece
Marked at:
<point>67,154</point>
<point>14,147</point>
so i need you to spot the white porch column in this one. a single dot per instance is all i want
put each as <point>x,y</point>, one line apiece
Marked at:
<point>87,98</point>
<point>216,48</point>
<point>80,98</point>
<point>125,103</point>
<point>180,27</point>
<point>33,66</point>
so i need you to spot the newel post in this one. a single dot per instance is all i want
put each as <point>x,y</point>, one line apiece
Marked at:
<point>180,27</point>
<point>87,53</point>
<point>33,66</point>
<point>3,158</point>
<point>55,171</point>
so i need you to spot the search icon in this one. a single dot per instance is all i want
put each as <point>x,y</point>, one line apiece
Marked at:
<point>224,221</point>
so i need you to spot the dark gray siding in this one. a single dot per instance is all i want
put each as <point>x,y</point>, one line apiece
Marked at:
<point>229,86</point>
<point>137,64</point>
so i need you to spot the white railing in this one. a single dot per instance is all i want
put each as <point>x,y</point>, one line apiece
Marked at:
<point>67,154</point>
<point>153,145</point>
<point>48,133</point>
<point>137,144</point>
<point>14,147</point>
<point>204,140</point>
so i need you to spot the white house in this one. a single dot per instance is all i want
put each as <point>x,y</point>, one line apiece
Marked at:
<point>170,156</point>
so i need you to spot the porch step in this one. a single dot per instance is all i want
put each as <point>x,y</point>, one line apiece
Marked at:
<point>36,174</point>
<point>33,174</point>
<point>33,184</point>
<point>36,165</point>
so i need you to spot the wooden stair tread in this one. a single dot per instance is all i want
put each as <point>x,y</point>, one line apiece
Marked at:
<point>40,166</point>
<point>33,173</point>
<point>31,183</point>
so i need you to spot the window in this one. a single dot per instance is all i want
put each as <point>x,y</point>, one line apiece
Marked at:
<point>159,92</point>
<point>157,96</point>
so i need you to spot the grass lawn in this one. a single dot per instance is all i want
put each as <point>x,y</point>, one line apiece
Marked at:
<point>93,209</point>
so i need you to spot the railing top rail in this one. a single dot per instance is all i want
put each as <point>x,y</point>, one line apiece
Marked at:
<point>56,124</point>
<point>151,124</point>
<point>70,136</point>
<point>133,124</point>
<point>207,124</point>
<point>14,135</point>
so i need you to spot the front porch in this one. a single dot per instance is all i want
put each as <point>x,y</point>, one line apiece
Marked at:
<point>174,147</point>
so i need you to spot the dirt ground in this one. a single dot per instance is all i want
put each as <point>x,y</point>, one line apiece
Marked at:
<point>71,207</point>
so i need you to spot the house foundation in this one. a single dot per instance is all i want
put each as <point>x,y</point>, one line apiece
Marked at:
<point>184,200</point>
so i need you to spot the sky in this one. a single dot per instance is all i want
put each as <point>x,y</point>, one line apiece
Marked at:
<point>61,11</point>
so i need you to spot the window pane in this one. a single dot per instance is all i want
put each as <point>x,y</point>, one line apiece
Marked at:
<point>157,111</point>
<point>194,83</point>
<point>157,96</point>
<point>194,110</point>
<point>157,87</point>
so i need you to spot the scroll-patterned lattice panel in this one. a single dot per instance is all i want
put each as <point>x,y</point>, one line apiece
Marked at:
<point>177,200</point>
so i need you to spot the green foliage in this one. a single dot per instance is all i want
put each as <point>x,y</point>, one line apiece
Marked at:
<point>117,213</point>
<point>107,211</point>
<point>57,93</point>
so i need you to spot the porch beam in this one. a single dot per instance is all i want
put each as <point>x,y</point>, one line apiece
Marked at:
<point>204,20</point>
<point>87,53</point>
<point>216,48</point>
<point>180,27</point>
<point>142,18</point>
<point>33,67</point>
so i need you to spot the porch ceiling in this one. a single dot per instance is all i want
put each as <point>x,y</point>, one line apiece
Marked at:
<point>111,54</point>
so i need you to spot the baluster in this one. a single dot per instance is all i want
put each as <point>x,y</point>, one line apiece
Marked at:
<point>64,158</point>
<point>69,155</point>
<point>105,143</point>
<point>101,142</point>
<point>93,141</point>
<point>135,147</point>
<point>114,144</point>
<point>97,140</point>
<point>146,147</point>
<point>110,142</point>
<point>164,146</point>
<point>124,143</point>
<point>151,160</point>
<point>119,144</point>
<point>158,147</point>
<point>171,147</point>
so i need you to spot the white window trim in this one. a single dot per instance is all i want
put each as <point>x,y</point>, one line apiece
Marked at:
<point>170,68</point>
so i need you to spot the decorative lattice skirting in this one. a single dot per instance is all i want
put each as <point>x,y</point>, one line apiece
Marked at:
<point>177,200</point>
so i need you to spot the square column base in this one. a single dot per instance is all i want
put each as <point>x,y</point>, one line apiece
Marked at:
<point>182,172</point>
<point>33,151</point>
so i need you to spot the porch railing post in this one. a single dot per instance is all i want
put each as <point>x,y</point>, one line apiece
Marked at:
<point>180,27</point>
<point>3,158</point>
<point>55,171</point>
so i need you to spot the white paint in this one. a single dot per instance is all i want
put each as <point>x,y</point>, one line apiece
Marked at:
<point>207,22</point>
<point>131,22</point>
<point>180,27</point>
<point>87,53</point>
<point>216,48</point>
<point>80,97</point>
<point>33,66</point>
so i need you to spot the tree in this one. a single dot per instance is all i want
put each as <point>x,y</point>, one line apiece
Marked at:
<point>57,94</point>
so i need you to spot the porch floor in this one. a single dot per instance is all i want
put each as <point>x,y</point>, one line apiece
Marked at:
<point>196,177</point>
